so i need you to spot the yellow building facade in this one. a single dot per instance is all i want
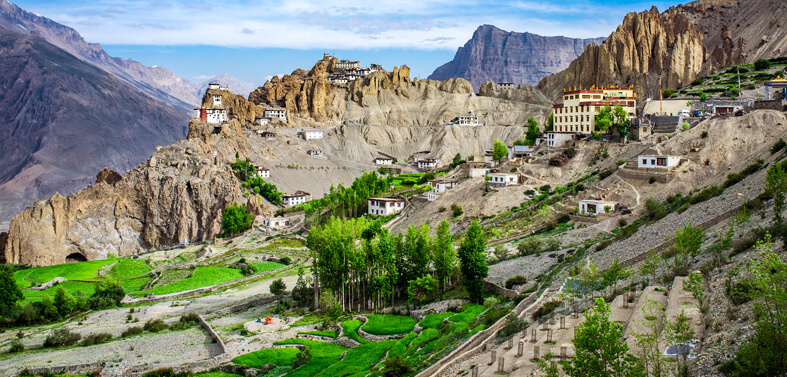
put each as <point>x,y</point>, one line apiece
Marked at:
<point>577,113</point>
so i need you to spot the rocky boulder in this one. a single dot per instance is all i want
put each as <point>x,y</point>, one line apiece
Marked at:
<point>108,176</point>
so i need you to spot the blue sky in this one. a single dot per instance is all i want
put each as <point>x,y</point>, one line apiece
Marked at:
<point>254,39</point>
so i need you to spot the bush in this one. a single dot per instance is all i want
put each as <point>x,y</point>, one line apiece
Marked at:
<point>778,146</point>
<point>155,325</point>
<point>528,246</point>
<point>96,339</point>
<point>761,64</point>
<point>707,193</point>
<point>512,326</point>
<point>168,372</point>
<point>667,93</point>
<point>106,296</point>
<point>62,337</point>
<point>235,220</point>
<point>697,81</point>
<point>546,309</point>
<point>134,330</point>
<point>16,346</point>
<point>302,357</point>
<point>516,280</point>
<point>285,260</point>
<point>278,287</point>
<point>552,244</point>
<point>704,134</point>
<point>457,210</point>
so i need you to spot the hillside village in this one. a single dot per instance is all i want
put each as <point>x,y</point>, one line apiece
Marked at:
<point>351,221</point>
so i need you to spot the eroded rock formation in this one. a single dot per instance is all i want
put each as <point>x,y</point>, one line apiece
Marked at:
<point>644,47</point>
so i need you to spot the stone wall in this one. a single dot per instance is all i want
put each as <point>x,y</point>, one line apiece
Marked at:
<point>213,335</point>
<point>498,290</point>
<point>70,369</point>
<point>645,176</point>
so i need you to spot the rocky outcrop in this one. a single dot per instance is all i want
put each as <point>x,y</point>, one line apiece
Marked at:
<point>237,106</point>
<point>178,194</point>
<point>3,242</point>
<point>523,93</point>
<point>644,47</point>
<point>388,98</point>
<point>496,55</point>
<point>108,176</point>
<point>738,31</point>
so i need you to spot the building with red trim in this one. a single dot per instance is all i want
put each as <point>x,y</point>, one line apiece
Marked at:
<point>577,113</point>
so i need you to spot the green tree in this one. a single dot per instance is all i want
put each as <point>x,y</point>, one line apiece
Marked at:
<point>65,303</point>
<point>473,261</point>
<point>703,97</point>
<point>604,119</point>
<point>235,220</point>
<point>421,288</point>
<point>266,189</point>
<point>679,334</point>
<point>776,186</point>
<point>499,151</point>
<point>761,64</point>
<point>694,285</point>
<point>689,239</point>
<point>532,132</point>
<point>396,366</point>
<point>766,353</point>
<point>278,287</point>
<point>550,123</point>
<point>649,340</point>
<point>444,254</point>
<point>650,266</point>
<point>599,351</point>
<point>549,368</point>
<point>529,245</point>
<point>10,293</point>
<point>243,169</point>
<point>457,161</point>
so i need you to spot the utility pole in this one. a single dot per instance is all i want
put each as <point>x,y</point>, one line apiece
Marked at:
<point>661,99</point>
<point>740,94</point>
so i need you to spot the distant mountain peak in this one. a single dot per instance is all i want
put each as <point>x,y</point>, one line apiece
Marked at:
<point>493,54</point>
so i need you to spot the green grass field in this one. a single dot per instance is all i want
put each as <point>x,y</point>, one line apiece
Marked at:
<point>434,321</point>
<point>275,356</point>
<point>202,277</point>
<point>328,333</point>
<point>351,330</point>
<point>323,356</point>
<point>217,374</point>
<point>388,324</point>
<point>401,345</point>
<point>129,269</point>
<point>359,359</point>
<point>70,271</point>
<point>265,266</point>
<point>468,314</point>
<point>70,287</point>
<point>307,320</point>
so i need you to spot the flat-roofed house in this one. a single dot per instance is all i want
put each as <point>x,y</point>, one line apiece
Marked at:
<point>312,134</point>
<point>299,197</point>
<point>383,161</point>
<point>442,186</point>
<point>385,206</point>
<point>276,222</point>
<point>503,179</point>
<point>427,163</point>
<point>595,207</point>
<point>263,172</point>
<point>648,161</point>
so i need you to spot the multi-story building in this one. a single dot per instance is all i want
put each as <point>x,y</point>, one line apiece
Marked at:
<point>577,113</point>
<point>299,197</point>
<point>276,113</point>
<point>215,116</point>
<point>385,206</point>
<point>505,86</point>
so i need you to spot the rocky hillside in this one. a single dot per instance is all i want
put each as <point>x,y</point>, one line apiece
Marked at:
<point>178,194</point>
<point>738,31</point>
<point>157,82</point>
<point>496,55</point>
<point>62,120</point>
<point>644,47</point>
<point>385,98</point>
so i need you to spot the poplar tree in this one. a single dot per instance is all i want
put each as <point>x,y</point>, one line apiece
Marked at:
<point>444,254</point>
<point>473,262</point>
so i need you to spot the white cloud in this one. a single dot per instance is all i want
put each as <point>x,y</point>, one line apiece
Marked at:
<point>311,24</point>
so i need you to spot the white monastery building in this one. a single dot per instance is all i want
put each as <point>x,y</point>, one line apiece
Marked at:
<point>577,113</point>
<point>312,134</point>
<point>299,197</point>
<point>385,206</point>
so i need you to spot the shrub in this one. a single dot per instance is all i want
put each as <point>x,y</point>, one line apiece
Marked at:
<point>167,372</point>
<point>302,357</point>
<point>778,146</point>
<point>667,93</point>
<point>441,209</point>
<point>96,339</point>
<point>761,64</point>
<point>516,280</point>
<point>235,220</point>
<point>457,210</point>
<point>546,309</point>
<point>545,189</point>
<point>704,134</point>
<point>62,337</point>
<point>512,326</point>
<point>530,245</point>
<point>396,366</point>
<point>552,244</point>
<point>697,81</point>
<point>155,325</point>
<point>16,346</point>
<point>707,193</point>
<point>285,260</point>
<point>106,296</point>
<point>278,287</point>
<point>603,245</point>
<point>134,330</point>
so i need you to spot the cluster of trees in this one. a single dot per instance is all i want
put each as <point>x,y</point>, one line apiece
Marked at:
<point>533,131</point>
<point>62,305</point>
<point>236,220</point>
<point>367,266</point>
<point>246,173</point>
<point>348,201</point>
<point>609,117</point>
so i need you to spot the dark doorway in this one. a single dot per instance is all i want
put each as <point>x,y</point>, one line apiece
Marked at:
<point>76,257</point>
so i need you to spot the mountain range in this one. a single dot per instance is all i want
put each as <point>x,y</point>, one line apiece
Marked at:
<point>496,55</point>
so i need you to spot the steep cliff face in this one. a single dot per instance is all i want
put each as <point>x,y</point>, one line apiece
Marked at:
<point>738,31</point>
<point>237,106</point>
<point>386,98</point>
<point>523,93</point>
<point>496,55</point>
<point>643,47</point>
<point>178,194</point>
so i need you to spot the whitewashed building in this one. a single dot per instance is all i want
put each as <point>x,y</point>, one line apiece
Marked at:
<point>558,139</point>
<point>299,197</point>
<point>213,86</point>
<point>383,161</point>
<point>215,116</point>
<point>657,162</point>
<point>519,151</point>
<point>385,206</point>
<point>432,196</point>
<point>315,152</point>
<point>466,120</point>
<point>505,86</point>
<point>312,134</point>
<point>276,114</point>
<point>442,186</point>
<point>216,100</point>
<point>276,222</point>
<point>427,163</point>
<point>263,172</point>
<point>503,179</point>
<point>263,121</point>
<point>478,172</point>
<point>595,207</point>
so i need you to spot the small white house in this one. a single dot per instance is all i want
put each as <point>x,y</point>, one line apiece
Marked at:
<point>385,206</point>
<point>442,186</point>
<point>312,134</point>
<point>263,121</point>
<point>216,100</point>
<point>432,196</point>
<point>558,139</point>
<point>657,162</point>
<point>427,163</point>
<point>518,151</point>
<point>215,116</point>
<point>466,120</point>
<point>478,172</point>
<point>315,152</point>
<point>383,161</point>
<point>213,86</point>
<point>299,197</point>
<point>595,207</point>
<point>276,114</point>
<point>276,222</point>
<point>263,172</point>
<point>503,179</point>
